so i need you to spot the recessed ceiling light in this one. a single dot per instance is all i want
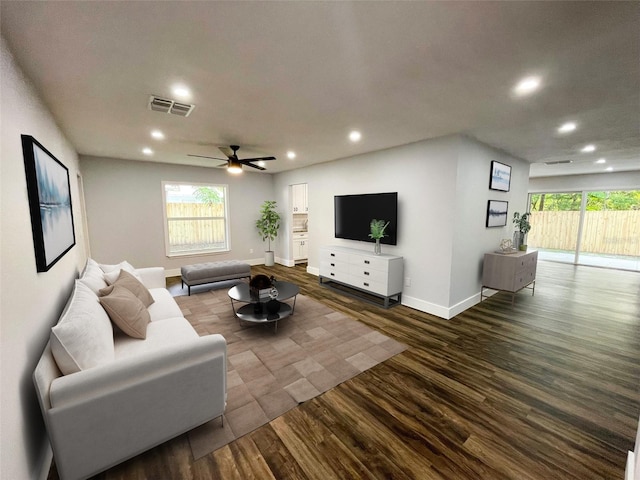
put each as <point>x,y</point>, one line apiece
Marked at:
<point>609,169</point>
<point>355,136</point>
<point>527,86</point>
<point>147,151</point>
<point>291,155</point>
<point>181,91</point>
<point>157,134</point>
<point>588,148</point>
<point>567,127</point>
<point>601,160</point>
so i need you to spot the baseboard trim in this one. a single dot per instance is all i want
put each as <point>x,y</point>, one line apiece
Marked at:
<point>463,305</point>
<point>313,271</point>
<point>427,307</point>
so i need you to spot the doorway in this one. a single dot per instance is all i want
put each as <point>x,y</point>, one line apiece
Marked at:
<point>596,228</point>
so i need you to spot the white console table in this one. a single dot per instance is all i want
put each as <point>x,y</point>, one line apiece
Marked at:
<point>510,273</point>
<point>377,275</point>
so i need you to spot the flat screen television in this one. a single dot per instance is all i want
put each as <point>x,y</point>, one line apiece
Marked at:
<point>353,215</point>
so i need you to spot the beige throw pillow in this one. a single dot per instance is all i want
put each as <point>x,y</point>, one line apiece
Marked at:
<point>131,283</point>
<point>127,312</point>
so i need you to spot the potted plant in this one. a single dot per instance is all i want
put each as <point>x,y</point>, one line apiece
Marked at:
<point>268,225</point>
<point>523,226</point>
<point>377,228</point>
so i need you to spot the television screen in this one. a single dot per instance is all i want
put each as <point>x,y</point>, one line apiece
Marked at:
<point>353,215</point>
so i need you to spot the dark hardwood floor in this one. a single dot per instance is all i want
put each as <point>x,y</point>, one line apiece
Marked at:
<point>545,389</point>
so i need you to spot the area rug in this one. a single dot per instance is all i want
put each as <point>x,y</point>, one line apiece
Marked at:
<point>271,371</point>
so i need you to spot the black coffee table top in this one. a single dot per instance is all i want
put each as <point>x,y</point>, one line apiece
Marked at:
<point>241,292</point>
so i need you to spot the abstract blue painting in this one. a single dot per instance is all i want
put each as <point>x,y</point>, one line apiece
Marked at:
<point>500,176</point>
<point>49,194</point>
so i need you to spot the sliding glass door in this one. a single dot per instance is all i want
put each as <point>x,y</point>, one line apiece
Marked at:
<point>555,221</point>
<point>611,231</point>
<point>599,228</point>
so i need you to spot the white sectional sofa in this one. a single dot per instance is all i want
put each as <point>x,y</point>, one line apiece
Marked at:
<point>107,396</point>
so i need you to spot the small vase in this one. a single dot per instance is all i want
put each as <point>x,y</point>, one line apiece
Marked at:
<point>376,248</point>
<point>517,239</point>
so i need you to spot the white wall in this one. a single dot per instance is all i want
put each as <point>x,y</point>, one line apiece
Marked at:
<point>30,302</point>
<point>578,183</point>
<point>472,238</point>
<point>442,187</point>
<point>125,213</point>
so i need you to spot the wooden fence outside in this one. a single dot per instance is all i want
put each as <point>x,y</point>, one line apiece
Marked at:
<point>189,231</point>
<point>609,232</point>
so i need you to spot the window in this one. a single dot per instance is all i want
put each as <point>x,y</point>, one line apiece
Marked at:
<point>196,218</point>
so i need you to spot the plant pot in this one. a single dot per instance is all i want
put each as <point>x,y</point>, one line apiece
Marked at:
<point>518,239</point>
<point>522,248</point>
<point>269,259</point>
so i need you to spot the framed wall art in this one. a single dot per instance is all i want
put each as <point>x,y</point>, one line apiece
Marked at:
<point>497,213</point>
<point>49,193</point>
<point>500,176</point>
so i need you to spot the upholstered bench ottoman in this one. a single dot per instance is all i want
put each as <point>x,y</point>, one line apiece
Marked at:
<point>211,272</point>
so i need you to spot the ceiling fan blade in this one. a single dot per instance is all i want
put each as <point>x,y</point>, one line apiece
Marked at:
<point>244,162</point>
<point>257,159</point>
<point>203,156</point>
<point>227,151</point>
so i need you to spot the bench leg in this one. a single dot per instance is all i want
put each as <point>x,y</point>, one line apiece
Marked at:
<point>189,289</point>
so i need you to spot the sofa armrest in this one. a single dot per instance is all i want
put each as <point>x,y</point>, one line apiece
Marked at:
<point>152,277</point>
<point>123,373</point>
<point>107,414</point>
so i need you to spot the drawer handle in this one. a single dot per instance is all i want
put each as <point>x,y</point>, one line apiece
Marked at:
<point>366,273</point>
<point>366,284</point>
<point>333,264</point>
<point>333,254</point>
<point>332,274</point>
<point>367,262</point>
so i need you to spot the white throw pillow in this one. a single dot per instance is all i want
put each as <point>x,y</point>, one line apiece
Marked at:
<point>93,277</point>
<point>120,266</point>
<point>112,275</point>
<point>83,338</point>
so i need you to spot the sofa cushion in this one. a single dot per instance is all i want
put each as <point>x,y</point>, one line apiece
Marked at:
<point>126,311</point>
<point>161,333</point>
<point>164,305</point>
<point>131,283</point>
<point>112,275</point>
<point>83,338</point>
<point>117,267</point>
<point>93,276</point>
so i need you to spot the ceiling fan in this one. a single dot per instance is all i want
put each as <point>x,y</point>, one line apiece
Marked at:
<point>234,164</point>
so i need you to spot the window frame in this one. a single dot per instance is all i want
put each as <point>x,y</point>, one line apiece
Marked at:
<point>166,219</point>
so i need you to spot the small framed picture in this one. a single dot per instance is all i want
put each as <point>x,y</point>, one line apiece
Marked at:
<point>500,176</point>
<point>497,213</point>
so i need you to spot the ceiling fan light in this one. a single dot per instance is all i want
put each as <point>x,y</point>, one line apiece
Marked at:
<point>234,167</point>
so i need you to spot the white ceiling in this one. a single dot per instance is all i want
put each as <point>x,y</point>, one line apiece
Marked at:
<point>278,76</point>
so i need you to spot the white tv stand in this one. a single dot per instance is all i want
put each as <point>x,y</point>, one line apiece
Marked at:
<point>366,274</point>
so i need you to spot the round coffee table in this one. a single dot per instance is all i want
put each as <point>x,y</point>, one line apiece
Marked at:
<point>255,309</point>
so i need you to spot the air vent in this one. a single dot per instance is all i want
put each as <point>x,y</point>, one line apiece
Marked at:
<point>181,109</point>
<point>558,162</point>
<point>165,105</point>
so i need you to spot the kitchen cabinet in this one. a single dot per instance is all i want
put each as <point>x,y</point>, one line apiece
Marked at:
<point>300,247</point>
<point>300,200</point>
